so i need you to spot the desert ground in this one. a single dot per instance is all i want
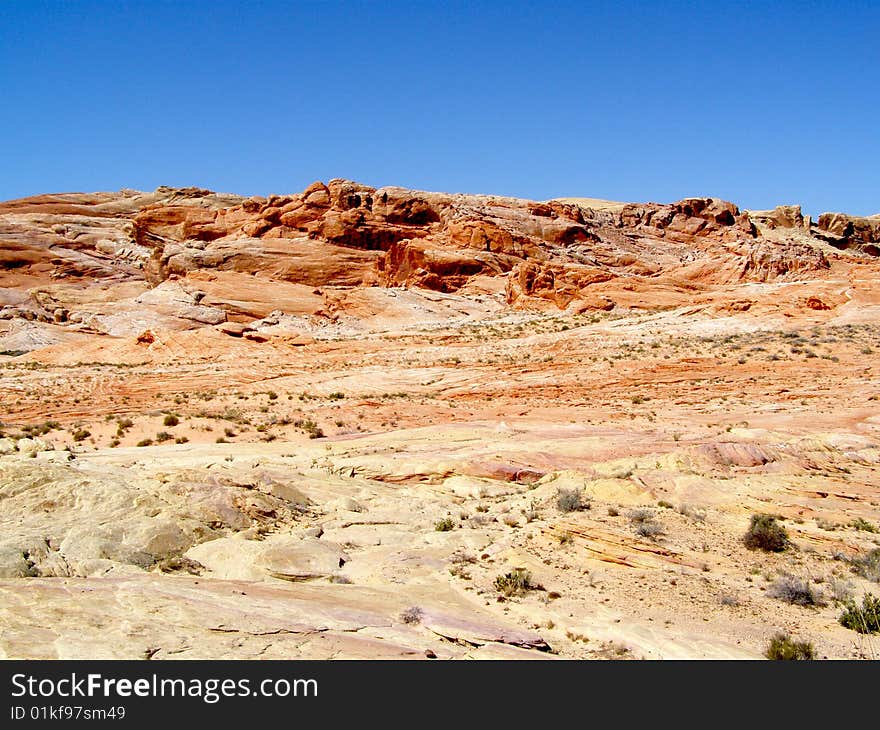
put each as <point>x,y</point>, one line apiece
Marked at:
<point>361,423</point>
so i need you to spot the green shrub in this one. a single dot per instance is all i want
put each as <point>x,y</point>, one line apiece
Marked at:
<point>864,525</point>
<point>765,533</point>
<point>783,647</point>
<point>170,420</point>
<point>514,583</point>
<point>145,442</point>
<point>864,619</point>
<point>445,525</point>
<point>81,435</point>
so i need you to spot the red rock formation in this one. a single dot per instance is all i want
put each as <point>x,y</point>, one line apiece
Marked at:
<point>851,232</point>
<point>342,234</point>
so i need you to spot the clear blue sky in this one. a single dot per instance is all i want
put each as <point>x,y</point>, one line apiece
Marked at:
<point>759,103</point>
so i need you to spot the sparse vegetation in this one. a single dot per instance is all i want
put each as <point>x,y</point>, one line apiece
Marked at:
<point>864,619</point>
<point>412,615</point>
<point>867,565</point>
<point>444,525</point>
<point>649,529</point>
<point>783,647</point>
<point>570,500</point>
<point>765,533</point>
<point>796,591</point>
<point>514,583</point>
<point>642,514</point>
<point>863,525</point>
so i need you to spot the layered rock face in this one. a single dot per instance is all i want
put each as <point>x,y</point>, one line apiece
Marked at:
<point>62,254</point>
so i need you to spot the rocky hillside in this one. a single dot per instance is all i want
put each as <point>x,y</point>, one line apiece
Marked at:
<point>361,422</point>
<point>119,263</point>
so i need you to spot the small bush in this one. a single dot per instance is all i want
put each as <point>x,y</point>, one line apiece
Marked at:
<point>170,420</point>
<point>868,565</point>
<point>145,442</point>
<point>81,435</point>
<point>765,533</point>
<point>445,525</point>
<point>783,647</point>
<point>514,583</point>
<point>649,528</point>
<point>864,619</point>
<point>640,515</point>
<point>864,525</point>
<point>412,615</point>
<point>570,500</point>
<point>794,590</point>
<point>163,436</point>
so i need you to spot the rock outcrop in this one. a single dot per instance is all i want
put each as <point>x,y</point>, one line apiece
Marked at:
<point>851,232</point>
<point>85,262</point>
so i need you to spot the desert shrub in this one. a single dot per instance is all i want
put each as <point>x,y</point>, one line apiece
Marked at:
<point>163,436</point>
<point>570,500</point>
<point>181,440</point>
<point>514,583</point>
<point>864,525</point>
<point>867,565</point>
<point>864,619</point>
<point>170,420</point>
<point>310,427</point>
<point>412,615</point>
<point>640,515</point>
<point>81,434</point>
<point>695,513</point>
<point>444,525</point>
<point>841,591</point>
<point>794,590</point>
<point>272,395</point>
<point>783,647</point>
<point>649,528</point>
<point>145,442</point>
<point>765,533</point>
<point>336,396</point>
<point>532,512</point>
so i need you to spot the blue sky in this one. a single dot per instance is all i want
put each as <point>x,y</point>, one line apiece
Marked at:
<point>759,103</point>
